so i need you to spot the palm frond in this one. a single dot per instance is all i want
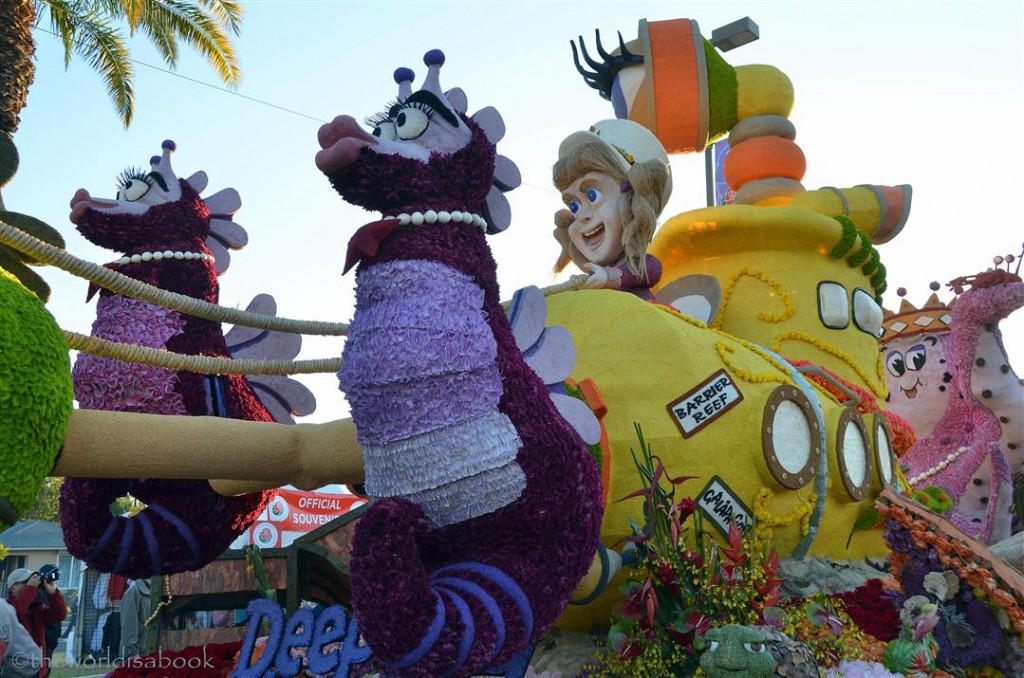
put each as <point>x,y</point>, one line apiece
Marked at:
<point>134,10</point>
<point>201,32</point>
<point>227,12</point>
<point>103,48</point>
<point>64,19</point>
<point>131,11</point>
<point>159,28</point>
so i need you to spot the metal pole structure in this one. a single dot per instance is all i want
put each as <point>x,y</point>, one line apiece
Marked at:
<point>725,38</point>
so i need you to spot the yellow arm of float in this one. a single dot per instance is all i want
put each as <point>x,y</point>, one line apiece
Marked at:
<point>128,445</point>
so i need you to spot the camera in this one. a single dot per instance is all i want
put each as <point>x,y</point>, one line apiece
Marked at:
<point>50,575</point>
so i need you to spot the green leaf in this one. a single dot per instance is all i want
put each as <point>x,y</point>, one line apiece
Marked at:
<point>868,520</point>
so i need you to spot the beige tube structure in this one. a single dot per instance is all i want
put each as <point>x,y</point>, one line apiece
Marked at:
<point>127,445</point>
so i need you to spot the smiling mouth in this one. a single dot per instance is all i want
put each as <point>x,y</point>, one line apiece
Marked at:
<point>912,391</point>
<point>594,237</point>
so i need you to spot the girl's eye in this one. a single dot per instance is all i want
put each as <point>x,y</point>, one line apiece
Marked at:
<point>386,131</point>
<point>574,206</point>
<point>133,189</point>
<point>593,194</point>
<point>894,363</point>
<point>411,122</point>
<point>916,357</point>
<point>754,647</point>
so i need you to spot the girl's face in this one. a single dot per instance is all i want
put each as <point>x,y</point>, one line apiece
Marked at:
<point>596,232</point>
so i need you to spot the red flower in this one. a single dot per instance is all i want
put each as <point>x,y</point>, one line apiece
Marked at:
<point>686,508</point>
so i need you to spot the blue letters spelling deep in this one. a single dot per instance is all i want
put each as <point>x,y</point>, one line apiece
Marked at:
<point>300,630</point>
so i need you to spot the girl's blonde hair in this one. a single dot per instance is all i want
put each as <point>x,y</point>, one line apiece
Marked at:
<point>639,206</point>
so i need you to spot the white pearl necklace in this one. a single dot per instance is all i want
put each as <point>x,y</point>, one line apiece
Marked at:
<point>442,217</point>
<point>166,254</point>
<point>941,466</point>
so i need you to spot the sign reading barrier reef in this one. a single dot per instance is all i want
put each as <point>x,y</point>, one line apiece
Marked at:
<point>329,642</point>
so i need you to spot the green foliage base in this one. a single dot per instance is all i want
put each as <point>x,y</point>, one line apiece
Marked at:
<point>35,396</point>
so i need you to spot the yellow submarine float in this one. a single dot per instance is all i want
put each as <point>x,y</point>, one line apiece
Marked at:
<point>769,399</point>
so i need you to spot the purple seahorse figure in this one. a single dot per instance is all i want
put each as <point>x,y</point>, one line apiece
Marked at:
<point>486,503</point>
<point>175,240</point>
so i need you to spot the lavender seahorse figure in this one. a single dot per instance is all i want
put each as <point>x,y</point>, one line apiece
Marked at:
<point>486,503</point>
<point>176,240</point>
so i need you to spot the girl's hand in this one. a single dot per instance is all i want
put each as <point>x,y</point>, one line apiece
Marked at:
<point>598,277</point>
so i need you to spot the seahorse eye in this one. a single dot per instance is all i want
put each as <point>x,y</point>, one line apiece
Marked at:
<point>133,190</point>
<point>386,131</point>
<point>411,122</point>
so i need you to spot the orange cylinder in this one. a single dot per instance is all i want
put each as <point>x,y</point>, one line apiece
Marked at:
<point>764,158</point>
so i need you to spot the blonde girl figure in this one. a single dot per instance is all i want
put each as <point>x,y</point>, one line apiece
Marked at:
<point>615,180</point>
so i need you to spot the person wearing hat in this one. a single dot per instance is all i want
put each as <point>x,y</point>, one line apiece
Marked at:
<point>23,588</point>
<point>50,572</point>
<point>615,180</point>
<point>23,658</point>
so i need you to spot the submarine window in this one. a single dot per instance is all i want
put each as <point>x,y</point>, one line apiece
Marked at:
<point>833,305</point>
<point>883,451</point>
<point>854,454</point>
<point>791,438</point>
<point>867,314</point>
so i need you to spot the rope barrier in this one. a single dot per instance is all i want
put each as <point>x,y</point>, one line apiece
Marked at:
<point>130,287</point>
<point>155,357</point>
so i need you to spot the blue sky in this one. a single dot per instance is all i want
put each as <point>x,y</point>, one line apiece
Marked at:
<point>930,94</point>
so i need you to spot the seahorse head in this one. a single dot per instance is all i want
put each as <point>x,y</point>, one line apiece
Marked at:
<point>155,211</point>
<point>423,153</point>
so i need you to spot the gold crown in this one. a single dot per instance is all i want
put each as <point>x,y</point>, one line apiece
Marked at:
<point>933,317</point>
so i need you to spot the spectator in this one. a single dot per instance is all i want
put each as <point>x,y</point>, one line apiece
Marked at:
<point>23,588</point>
<point>50,572</point>
<point>23,658</point>
<point>135,609</point>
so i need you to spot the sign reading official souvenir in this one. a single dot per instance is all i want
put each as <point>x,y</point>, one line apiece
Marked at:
<point>722,507</point>
<point>705,403</point>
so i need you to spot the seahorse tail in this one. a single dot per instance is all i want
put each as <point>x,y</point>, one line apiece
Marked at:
<point>457,619</point>
<point>184,525</point>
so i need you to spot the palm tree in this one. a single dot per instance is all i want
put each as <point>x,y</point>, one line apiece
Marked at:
<point>89,29</point>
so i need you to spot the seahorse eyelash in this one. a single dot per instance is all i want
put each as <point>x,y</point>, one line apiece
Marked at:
<point>125,178</point>
<point>423,106</point>
<point>383,116</point>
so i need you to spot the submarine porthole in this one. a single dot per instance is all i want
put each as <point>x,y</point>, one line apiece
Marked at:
<point>853,454</point>
<point>884,461</point>
<point>791,440</point>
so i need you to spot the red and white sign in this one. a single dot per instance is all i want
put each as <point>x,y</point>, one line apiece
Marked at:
<point>293,513</point>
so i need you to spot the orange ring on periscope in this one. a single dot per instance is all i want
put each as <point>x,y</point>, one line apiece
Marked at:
<point>764,158</point>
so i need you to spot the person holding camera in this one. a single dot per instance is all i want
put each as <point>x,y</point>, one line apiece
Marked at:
<point>23,589</point>
<point>50,572</point>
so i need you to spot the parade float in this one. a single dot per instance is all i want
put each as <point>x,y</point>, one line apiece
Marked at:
<point>496,443</point>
